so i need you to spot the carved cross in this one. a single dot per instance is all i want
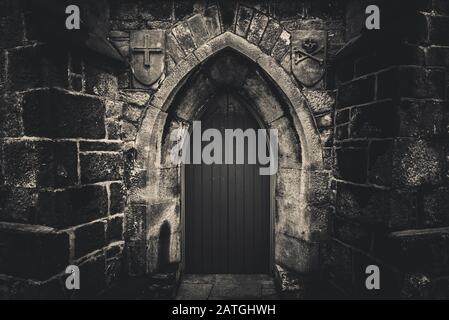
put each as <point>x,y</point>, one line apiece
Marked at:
<point>146,50</point>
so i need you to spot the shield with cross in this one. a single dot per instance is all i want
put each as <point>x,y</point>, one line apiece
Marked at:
<point>147,56</point>
<point>309,56</point>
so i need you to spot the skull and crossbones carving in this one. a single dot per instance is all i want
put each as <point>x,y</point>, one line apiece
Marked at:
<point>309,49</point>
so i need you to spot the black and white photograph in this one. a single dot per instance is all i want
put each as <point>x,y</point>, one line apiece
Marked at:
<point>249,151</point>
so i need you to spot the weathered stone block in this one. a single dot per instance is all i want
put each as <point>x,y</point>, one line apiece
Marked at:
<point>376,120</point>
<point>320,101</point>
<point>282,46</point>
<point>135,222</point>
<point>212,18</point>
<point>117,198</point>
<point>437,25</point>
<point>341,132</point>
<point>403,210</point>
<point>437,56</point>
<point>289,146</point>
<point>184,37</point>
<point>100,82</point>
<point>287,215</point>
<point>257,27</point>
<point>18,205</point>
<point>298,255</point>
<point>57,114</point>
<point>342,117</point>
<point>132,112</point>
<point>435,208</point>
<point>123,25</point>
<point>326,135</point>
<point>34,253</point>
<point>318,191</point>
<point>356,92</point>
<point>40,163</point>
<point>351,164</point>
<point>72,207</point>
<point>128,131</point>
<point>36,67</point>
<point>173,49</point>
<point>198,29</point>
<point>97,167</point>
<point>114,109</point>
<point>11,124</point>
<point>418,162</point>
<point>136,263</point>
<point>380,162</point>
<point>411,82</point>
<point>12,27</point>
<point>115,229</point>
<point>324,121</point>
<point>270,36</point>
<point>352,233</point>
<point>100,146</point>
<point>288,183</point>
<point>406,163</point>
<point>89,238</point>
<point>361,203</point>
<point>168,183</point>
<point>113,129</point>
<point>425,119</point>
<point>373,62</point>
<point>243,20</point>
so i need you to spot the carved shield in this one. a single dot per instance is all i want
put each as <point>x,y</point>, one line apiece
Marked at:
<point>309,56</point>
<point>147,48</point>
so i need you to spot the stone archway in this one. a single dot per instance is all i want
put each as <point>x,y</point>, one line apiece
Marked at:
<point>155,194</point>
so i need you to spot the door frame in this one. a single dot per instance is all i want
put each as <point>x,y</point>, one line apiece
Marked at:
<point>272,193</point>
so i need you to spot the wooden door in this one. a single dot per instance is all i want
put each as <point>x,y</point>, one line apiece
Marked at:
<point>227,206</point>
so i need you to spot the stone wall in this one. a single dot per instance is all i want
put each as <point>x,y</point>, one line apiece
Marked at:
<point>390,165</point>
<point>61,181</point>
<point>83,147</point>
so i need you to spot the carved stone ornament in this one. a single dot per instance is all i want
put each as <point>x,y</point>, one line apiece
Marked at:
<point>147,48</point>
<point>309,56</point>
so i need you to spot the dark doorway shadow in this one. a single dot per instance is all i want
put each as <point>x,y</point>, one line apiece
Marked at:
<point>164,247</point>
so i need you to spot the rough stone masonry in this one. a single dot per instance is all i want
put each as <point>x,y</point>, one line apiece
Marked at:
<point>363,157</point>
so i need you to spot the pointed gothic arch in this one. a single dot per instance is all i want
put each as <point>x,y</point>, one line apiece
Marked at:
<point>300,208</point>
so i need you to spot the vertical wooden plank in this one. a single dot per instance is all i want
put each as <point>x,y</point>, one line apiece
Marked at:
<point>196,220</point>
<point>215,209</point>
<point>187,214</point>
<point>265,237</point>
<point>258,247</point>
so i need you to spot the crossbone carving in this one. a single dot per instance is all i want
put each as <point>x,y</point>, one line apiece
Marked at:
<point>309,51</point>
